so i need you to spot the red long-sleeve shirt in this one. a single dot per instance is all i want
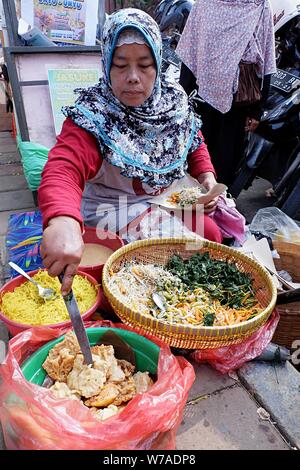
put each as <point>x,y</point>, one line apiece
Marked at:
<point>74,160</point>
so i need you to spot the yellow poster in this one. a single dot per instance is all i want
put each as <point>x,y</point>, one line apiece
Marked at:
<point>61,20</point>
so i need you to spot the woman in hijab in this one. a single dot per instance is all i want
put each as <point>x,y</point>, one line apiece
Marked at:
<point>219,38</point>
<point>124,141</point>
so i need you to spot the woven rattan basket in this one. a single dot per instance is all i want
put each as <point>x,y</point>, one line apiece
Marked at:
<point>159,251</point>
<point>288,329</point>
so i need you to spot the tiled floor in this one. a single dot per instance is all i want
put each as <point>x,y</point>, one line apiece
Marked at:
<point>14,193</point>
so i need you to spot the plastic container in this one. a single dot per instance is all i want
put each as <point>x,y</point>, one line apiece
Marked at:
<point>14,327</point>
<point>101,237</point>
<point>33,419</point>
<point>146,353</point>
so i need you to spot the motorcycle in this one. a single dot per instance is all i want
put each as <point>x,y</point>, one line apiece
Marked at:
<point>171,16</point>
<point>273,151</point>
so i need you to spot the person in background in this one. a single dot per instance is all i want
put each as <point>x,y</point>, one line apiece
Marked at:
<point>131,136</point>
<point>228,54</point>
<point>8,92</point>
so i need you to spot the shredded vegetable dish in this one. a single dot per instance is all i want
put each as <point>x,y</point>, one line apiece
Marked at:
<point>199,291</point>
<point>186,197</point>
<point>24,305</point>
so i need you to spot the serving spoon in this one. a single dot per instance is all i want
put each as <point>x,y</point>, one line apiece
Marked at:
<point>157,299</point>
<point>45,293</point>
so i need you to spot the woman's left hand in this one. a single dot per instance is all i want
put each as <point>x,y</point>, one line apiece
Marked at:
<point>251,124</point>
<point>208,180</point>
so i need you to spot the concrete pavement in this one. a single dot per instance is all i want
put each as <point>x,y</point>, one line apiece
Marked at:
<point>227,420</point>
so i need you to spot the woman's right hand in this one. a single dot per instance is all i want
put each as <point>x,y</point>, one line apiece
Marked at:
<point>62,248</point>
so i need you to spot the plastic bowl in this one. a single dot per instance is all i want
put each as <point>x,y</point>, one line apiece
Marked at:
<point>101,237</point>
<point>14,327</point>
<point>146,353</point>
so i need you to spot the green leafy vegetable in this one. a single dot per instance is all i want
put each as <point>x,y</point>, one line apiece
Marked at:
<point>208,319</point>
<point>222,279</point>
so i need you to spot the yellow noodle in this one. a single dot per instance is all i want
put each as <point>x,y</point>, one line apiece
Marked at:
<point>24,305</point>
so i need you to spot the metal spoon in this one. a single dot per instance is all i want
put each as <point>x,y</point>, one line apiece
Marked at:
<point>45,293</point>
<point>280,278</point>
<point>157,299</point>
<point>275,273</point>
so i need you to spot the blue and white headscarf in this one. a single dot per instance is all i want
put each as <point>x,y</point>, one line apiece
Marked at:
<point>151,141</point>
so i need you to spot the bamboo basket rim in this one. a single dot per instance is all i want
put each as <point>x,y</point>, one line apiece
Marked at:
<point>192,330</point>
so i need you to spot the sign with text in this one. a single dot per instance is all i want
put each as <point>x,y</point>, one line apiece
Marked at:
<point>285,81</point>
<point>62,83</point>
<point>63,21</point>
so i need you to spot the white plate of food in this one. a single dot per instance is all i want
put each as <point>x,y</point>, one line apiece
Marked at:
<point>186,194</point>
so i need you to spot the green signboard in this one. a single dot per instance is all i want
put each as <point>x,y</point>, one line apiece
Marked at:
<point>62,83</point>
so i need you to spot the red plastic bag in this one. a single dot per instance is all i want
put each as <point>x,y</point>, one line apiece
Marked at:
<point>232,357</point>
<point>33,418</point>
